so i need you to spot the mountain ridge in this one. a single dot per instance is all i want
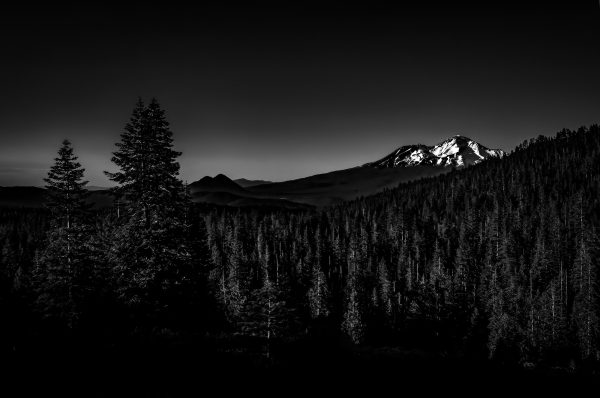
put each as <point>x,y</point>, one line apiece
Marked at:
<point>245,183</point>
<point>455,151</point>
<point>405,164</point>
<point>218,183</point>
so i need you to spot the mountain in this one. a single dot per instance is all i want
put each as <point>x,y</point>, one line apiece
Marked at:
<point>456,151</point>
<point>338,186</point>
<point>407,163</point>
<point>317,190</point>
<point>244,183</point>
<point>219,183</point>
<point>222,190</point>
<point>502,244</point>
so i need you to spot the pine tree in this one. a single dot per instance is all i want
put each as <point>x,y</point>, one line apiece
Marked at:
<point>439,280</point>
<point>65,188</point>
<point>150,253</point>
<point>266,315</point>
<point>318,294</point>
<point>586,301</point>
<point>64,268</point>
<point>384,290</point>
<point>218,274</point>
<point>234,284</point>
<point>506,334</point>
<point>353,322</point>
<point>147,179</point>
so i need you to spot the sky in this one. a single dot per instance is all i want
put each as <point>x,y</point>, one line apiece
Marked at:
<point>287,91</point>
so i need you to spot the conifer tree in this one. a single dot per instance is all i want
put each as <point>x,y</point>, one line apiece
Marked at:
<point>439,280</point>
<point>266,315</point>
<point>150,253</point>
<point>64,268</point>
<point>148,177</point>
<point>131,158</point>
<point>65,188</point>
<point>384,290</point>
<point>353,322</point>
<point>318,294</point>
<point>586,301</point>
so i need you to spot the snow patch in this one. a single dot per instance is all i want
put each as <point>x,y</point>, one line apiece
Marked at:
<point>457,151</point>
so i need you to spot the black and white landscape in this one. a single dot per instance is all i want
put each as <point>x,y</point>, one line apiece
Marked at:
<point>292,197</point>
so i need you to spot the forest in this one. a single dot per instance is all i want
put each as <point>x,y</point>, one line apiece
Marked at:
<point>496,262</point>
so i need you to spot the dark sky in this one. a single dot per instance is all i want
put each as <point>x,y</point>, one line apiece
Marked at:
<point>281,92</point>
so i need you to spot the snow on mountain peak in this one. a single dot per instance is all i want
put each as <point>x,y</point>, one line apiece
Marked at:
<point>457,151</point>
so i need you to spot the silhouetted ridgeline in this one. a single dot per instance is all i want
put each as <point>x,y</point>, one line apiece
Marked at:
<point>498,260</point>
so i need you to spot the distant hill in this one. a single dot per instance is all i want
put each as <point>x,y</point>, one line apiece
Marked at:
<point>221,190</point>
<point>244,183</point>
<point>407,163</point>
<point>219,183</point>
<point>338,186</point>
<point>318,190</point>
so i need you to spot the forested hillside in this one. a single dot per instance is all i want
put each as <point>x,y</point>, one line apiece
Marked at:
<point>498,260</point>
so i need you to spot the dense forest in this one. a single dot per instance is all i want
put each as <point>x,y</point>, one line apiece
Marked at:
<point>496,261</point>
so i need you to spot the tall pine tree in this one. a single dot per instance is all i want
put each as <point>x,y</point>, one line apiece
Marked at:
<point>65,188</point>
<point>150,255</point>
<point>64,270</point>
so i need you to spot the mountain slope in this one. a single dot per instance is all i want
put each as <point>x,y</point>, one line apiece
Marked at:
<point>341,185</point>
<point>244,183</point>
<point>498,260</point>
<point>223,191</point>
<point>407,163</point>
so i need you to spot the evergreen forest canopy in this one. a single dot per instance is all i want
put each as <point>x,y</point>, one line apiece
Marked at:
<point>498,260</point>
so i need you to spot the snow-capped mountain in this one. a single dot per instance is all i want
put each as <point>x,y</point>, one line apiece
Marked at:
<point>457,151</point>
<point>339,185</point>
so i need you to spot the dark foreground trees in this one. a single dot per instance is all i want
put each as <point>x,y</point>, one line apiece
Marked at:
<point>128,269</point>
<point>149,255</point>
<point>64,268</point>
<point>495,261</point>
